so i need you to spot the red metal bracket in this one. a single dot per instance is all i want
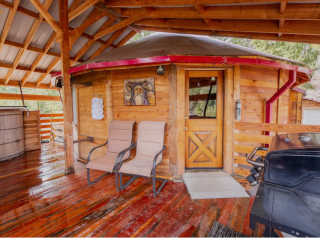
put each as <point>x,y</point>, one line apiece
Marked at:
<point>279,93</point>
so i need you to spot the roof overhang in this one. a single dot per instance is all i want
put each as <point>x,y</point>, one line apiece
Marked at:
<point>187,59</point>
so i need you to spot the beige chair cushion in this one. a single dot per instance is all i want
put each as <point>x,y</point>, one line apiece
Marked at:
<point>120,138</point>
<point>150,142</point>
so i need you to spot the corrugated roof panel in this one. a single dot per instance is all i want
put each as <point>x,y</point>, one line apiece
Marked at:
<point>55,47</point>
<point>17,75</point>
<point>45,62</point>
<point>107,50</point>
<point>125,33</point>
<point>4,14</point>
<point>47,79</point>
<point>91,51</point>
<point>28,5</point>
<point>54,9</point>
<point>105,38</point>
<point>20,27</point>
<point>3,72</point>
<point>76,22</point>
<point>78,45</point>
<point>57,68</point>
<point>95,27</point>
<point>42,35</point>
<point>28,58</point>
<point>8,54</point>
<point>34,77</point>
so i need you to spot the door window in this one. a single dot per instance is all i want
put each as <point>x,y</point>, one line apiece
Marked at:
<point>202,97</point>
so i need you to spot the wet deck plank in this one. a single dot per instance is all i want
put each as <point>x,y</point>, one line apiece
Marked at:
<point>38,200</point>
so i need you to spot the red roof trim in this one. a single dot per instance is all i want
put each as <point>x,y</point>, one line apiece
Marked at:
<point>187,59</point>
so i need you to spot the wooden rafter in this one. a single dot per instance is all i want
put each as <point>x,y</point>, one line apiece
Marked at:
<point>115,15</point>
<point>43,11</point>
<point>305,11</point>
<point>83,7</point>
<point>9,20</point>
<point>142,14</point>
<point>259,26</point>
<point>91,19</point>
<point>27,41</point>
<point>154,3</point>
<point>86,47</point>
<point>247,35</point>
<point>113,37</point>
<point>27,85</point>
<point>283,6</point>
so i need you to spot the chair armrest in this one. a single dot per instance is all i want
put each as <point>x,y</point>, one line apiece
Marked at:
<point>122,153</point>
<point>88,158</point>
<point>156,157</point>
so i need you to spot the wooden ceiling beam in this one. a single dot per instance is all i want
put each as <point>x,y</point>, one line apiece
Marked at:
<point>19,67</point>
<point>9,20</point>
<point>94,16</point>
<point>113,37</point>
<point>155,3</point>
<point>27,41</point>
<point>126,39</point>
<point>142,14</point>
<point>115,15</point>
<point>303,11</point>
<point>283,6</point>
<point>247,35</point>
<point>27,85</point>
<point>263,26</point>
<point>29,97</point>
<point>43,11</point>
<point>82,8</point>
<point>39,57</point>
<point>48,70</point>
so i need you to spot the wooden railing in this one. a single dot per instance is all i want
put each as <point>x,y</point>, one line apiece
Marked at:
<point>46,121</point>
<point>250,135</point>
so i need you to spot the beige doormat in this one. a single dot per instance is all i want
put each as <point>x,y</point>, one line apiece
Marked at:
<point>205,185</point>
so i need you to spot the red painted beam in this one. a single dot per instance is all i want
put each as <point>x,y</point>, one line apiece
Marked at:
<point>187,59</point>
<point>275,97</point>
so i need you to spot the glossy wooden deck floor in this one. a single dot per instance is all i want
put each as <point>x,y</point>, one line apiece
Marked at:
<point>37,200</point>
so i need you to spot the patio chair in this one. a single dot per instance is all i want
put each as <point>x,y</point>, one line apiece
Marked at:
<point>120,138</point>
<point>150,147</point>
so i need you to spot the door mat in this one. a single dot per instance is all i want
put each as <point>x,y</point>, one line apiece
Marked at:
<point>206,185</point>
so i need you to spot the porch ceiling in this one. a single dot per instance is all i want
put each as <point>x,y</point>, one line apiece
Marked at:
<point>29,51</point>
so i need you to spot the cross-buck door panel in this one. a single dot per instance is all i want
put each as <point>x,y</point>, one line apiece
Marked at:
<point>204,119</point>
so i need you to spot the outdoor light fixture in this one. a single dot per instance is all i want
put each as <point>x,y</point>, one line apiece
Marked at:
<point>160,70</point>
<point>213,79</point>
<point>238,109</point>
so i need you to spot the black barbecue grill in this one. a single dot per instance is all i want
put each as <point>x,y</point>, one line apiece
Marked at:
<point>287,185</point>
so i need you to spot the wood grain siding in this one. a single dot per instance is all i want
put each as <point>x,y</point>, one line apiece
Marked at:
<point>256,87</point>
<point>159,112</point>
<point>295,108</point>
<point>31,125</point>
<point>99,128</point>
<point>310,104</point>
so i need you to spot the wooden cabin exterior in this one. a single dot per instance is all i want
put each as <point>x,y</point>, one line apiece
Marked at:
<point>191,143</point>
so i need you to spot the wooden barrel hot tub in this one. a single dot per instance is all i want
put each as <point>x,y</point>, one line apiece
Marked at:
<point>11,132</point>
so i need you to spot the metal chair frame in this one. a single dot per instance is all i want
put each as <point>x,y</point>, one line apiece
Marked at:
<point>134,177</point>
<point>107,173</point>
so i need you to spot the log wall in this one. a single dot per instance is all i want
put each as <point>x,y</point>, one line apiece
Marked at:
<point>99,128</point>
<point>256,87</point>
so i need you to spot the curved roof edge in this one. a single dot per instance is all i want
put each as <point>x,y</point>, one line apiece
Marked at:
<point>187,59</point>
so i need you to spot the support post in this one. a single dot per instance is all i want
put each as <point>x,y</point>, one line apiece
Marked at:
<point>109,99</point>
<point>67,98</point>
<point>21,93</point>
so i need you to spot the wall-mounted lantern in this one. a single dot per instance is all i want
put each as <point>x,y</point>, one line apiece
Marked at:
<point>238,109</point>
<point>160,70</point>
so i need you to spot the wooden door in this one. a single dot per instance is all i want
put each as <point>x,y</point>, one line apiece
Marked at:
<point>204,119</point>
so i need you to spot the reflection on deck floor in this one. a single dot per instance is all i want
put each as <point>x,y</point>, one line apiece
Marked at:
<point>38,200</point>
